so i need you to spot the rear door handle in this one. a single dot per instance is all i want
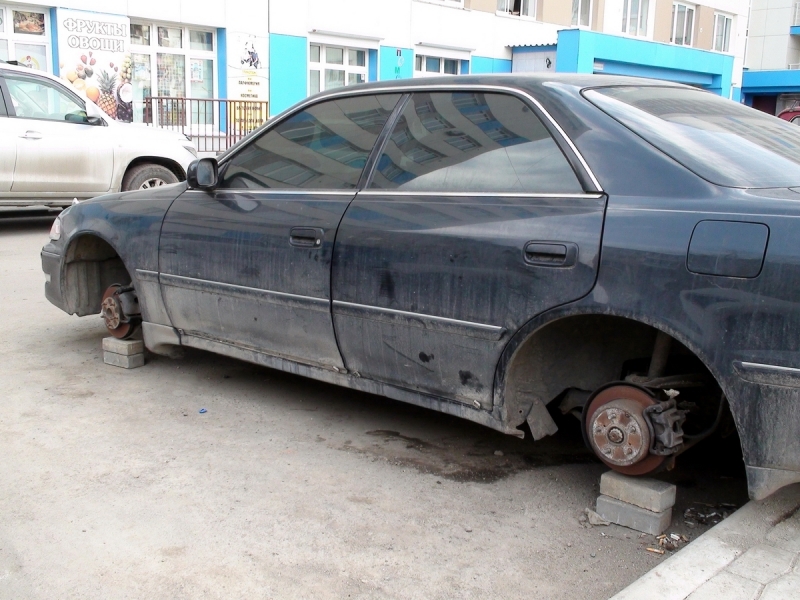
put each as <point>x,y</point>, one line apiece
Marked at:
<point>551,254</point>
<point>306,237</point>
<point>31,135</point>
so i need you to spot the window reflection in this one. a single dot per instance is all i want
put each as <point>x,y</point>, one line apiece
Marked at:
<point>472,142</point>
<point>323,147</point>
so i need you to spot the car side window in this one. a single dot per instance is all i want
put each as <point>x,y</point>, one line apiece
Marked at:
<point>36,98</point>
<point>323,147</point>
<point>472,142</point>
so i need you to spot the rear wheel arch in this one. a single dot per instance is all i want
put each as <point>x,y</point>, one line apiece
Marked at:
<point>581,350</point>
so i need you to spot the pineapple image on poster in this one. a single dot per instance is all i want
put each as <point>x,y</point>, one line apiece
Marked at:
<point>94,58</point>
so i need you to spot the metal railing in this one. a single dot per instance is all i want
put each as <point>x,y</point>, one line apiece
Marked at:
<point>796,19</point>
<point>794,66</point>
<point>214,124</point>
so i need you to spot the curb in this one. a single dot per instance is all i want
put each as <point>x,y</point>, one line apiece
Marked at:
<point>681,574</point>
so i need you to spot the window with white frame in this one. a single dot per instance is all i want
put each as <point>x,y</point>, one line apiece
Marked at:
<point>172,61</point>
<point>431,66</point>
<point>332,67</point>
<point>634,17</point>
<point>25,36</point>
<point>581,12</point>
<point>722,32</point>
<point>524,8</point>
<point>682,24</point>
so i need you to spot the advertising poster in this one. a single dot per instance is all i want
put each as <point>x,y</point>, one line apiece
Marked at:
<point>248,79</point>
<point>94,58</point>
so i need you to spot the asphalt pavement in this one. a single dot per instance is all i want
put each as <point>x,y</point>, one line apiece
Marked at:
<point>115,485</point>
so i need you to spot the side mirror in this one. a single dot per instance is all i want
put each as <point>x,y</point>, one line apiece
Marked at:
<point>202,174</point>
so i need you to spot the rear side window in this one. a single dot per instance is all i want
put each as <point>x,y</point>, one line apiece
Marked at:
<point>722,141</point>
<point>323,147</point>
<point>472,142</point>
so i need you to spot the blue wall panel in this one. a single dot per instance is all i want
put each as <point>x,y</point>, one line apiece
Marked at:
<point>396,63</point>
<point>53,41</point>
<point>372,62</point>
<point>288,71</point>
<point>222,74</point>
<point>771,82</point>
<point>581,51</point>
<point>483,64</point>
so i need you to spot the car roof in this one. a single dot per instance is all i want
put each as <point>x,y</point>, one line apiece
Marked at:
<point>530,82</point>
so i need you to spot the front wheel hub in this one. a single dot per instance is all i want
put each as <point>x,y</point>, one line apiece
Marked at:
<point>119,309</point>
<point>617,429</point>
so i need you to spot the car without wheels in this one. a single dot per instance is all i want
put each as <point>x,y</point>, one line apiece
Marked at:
<point>489,247</point>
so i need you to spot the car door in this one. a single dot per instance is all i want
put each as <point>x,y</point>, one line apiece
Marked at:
<point>8,149</point>
<point>57,151</point>
<point>473,223</point>
<point>249,263</point>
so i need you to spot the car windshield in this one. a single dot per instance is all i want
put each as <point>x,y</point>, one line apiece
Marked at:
<point>723,142</point>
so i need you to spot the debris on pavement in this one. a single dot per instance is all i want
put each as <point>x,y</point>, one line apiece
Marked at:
<point>203,410</point>
<point>709,514</point>
<point>590,518</point>
<point>655,550</point>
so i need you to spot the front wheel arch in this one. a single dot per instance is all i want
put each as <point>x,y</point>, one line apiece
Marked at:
<point>91,266</point>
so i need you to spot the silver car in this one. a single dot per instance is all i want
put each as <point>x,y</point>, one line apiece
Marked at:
<point>56,146</point>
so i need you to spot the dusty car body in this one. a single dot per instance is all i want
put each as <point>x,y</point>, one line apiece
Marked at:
<point>485,246</point>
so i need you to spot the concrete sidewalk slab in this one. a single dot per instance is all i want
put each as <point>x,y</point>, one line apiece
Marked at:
<point>753,554</point>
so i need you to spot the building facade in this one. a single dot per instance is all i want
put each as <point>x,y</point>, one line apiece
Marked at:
<point>772,76</point>
<point>119,52</point>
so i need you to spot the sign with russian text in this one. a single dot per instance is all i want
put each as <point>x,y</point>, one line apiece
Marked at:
<point>94,58</point>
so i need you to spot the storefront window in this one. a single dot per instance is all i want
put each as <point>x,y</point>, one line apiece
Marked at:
<point>140,35</point>
<point>171,75</point>
<point>170,37</point>
<point>142,84</point>
<point>201,40</point>
<point>25,37</point>
<point>176,62</point>
<point>333,67</point>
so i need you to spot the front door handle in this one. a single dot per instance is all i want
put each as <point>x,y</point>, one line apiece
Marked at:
<point>31,135</point>
<point>306,237</point>
<point>551,254</point>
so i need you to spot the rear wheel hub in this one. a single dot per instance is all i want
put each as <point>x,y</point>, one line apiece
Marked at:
<point>617,430</point>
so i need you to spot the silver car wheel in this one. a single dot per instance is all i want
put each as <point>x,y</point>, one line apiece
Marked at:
<point>151,183</point>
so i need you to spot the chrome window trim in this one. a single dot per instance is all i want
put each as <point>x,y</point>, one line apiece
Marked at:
<point>378,192</point>
<point>410,89</point>
<point>274,192</point>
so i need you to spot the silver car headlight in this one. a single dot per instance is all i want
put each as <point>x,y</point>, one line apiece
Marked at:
<point>192,149</point>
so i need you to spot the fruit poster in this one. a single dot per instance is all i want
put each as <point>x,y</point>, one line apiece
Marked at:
<point>94,58</point>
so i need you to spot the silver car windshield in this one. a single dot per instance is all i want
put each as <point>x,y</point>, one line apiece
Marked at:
<point>723,142</point>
